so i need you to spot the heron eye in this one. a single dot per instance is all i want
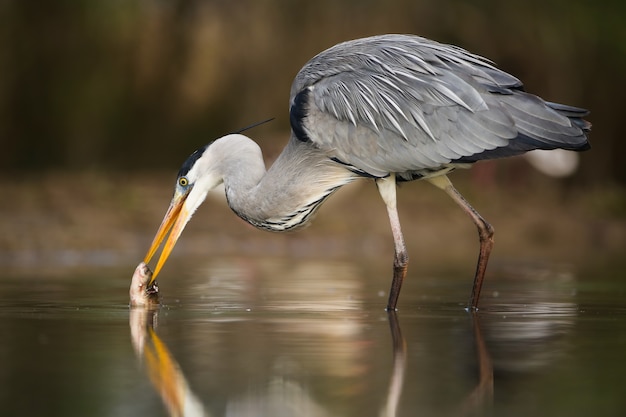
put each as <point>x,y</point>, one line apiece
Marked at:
<point>183,181</point>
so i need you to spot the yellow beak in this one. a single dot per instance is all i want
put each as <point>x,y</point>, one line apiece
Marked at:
<point>174,222</point>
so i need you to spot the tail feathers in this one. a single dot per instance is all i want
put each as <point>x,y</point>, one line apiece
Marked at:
<point>573,138</point>
<point>575,114</point>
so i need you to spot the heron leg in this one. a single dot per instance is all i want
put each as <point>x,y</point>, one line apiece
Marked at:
<point>485,234</point>
<point>387,190</point>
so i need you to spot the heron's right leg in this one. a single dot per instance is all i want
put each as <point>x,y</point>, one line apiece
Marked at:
<point>485,235</point>
<point>387,190</point>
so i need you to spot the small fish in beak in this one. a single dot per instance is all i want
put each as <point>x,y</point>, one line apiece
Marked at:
<point>142,292</point>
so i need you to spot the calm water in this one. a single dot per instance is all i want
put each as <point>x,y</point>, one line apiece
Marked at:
<point>285,337</point>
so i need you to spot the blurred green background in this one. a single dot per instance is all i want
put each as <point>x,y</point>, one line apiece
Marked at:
<point>136,85</point>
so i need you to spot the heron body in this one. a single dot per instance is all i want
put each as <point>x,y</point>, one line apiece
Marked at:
<point>391,108</point>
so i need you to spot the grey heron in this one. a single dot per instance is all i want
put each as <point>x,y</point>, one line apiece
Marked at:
<point>391,108</point>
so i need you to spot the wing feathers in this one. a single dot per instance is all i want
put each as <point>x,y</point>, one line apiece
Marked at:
<point>400,103</point>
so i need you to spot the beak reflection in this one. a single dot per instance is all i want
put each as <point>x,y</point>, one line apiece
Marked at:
<point>163,370</point>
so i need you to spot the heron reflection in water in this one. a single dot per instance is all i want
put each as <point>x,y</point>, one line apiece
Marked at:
<point>391,108</point>
<point>282,397</point>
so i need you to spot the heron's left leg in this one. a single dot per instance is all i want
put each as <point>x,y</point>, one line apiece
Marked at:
<point>387,190</point>
<point>485,234</point>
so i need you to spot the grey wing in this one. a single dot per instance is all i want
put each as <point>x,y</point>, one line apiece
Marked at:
<point>404,104</point>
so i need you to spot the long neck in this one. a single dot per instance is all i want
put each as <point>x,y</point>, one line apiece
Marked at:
<point>287,195</point>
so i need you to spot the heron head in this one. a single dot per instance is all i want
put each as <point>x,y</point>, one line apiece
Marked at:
<point>194,180</point>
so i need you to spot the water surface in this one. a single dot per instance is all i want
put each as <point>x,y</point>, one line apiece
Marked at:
<point>307,337</point>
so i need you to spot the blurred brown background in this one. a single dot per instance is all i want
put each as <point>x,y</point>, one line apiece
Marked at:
<point>120,92</point>
<point>136,85</point>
